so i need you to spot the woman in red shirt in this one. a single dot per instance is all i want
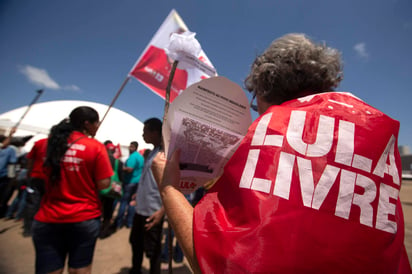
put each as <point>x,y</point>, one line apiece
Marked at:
<point>68,221</point>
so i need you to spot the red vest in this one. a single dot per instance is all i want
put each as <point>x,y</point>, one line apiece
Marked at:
<point>313,188</point>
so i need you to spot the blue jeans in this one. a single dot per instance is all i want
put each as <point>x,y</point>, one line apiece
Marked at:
<point>17,206</point>
<point>177,251</point>
<point>128,191</point>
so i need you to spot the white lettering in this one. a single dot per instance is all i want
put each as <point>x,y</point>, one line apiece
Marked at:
<point>385,208</point>
<point>346,143</point>
<point>159,77</point>
<point>324,136</point>
<point>70,152</point>
<point>362,163</point>
<point>306,180</point>
<point>70,159</point>
<point>346,190</point>
<point>324,185</point>
<point>284,175</point>
<point>364,200</point>
<point>382,168</point>
<point>262,185</point>
<point>78,147</point>
<point>249,170</point>
<point>260,131</point>
<point>314,194</point>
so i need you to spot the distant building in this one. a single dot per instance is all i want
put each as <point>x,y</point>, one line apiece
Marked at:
<point>406,158</point>
<point>404,150</point>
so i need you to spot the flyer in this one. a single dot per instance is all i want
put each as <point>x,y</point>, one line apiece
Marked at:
<point>206,122</point>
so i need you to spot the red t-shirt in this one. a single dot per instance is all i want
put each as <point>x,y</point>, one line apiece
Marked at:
<point>313,188</point>
<point>154,69</point>
<point>38,154</point>
<point>75,197</point>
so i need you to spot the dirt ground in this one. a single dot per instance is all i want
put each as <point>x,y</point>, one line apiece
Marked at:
<point>113,254</point>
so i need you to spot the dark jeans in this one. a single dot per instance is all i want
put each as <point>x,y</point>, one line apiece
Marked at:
<point>145,241</point>
<point>128,191</point>
<point>53,242</point>
<point>35,191</point>
<point>6,190</point>
<point>108,208</point>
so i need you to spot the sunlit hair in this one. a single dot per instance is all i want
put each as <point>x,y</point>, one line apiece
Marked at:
<point>292,65</point>
<point>57,144</point>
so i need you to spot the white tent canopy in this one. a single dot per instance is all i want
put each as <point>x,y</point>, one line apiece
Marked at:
<point>118,126</point>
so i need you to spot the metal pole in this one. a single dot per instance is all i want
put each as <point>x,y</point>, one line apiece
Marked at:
<point>39,93</point>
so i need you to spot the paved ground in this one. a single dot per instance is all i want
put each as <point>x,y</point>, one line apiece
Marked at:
<point>113,254</point>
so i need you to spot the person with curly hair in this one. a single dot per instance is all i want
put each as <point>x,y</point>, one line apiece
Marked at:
<point>68,221</point>
<point>312,188</point>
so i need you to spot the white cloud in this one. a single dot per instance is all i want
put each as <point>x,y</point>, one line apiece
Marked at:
<point>360,49</point>
<point>41,77</point>
<point>72,87</point>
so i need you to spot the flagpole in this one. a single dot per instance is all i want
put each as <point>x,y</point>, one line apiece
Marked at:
<point>115,98</point>
<point>39,93</point>
<point>168,87</point>
<point>166,110</point>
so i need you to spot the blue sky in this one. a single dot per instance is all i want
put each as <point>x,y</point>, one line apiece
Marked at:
<point>86,48</point>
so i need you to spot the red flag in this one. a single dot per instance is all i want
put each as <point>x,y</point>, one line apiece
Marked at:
<point>117,152</point>
<point>153,67</point>
<point>313,188</point>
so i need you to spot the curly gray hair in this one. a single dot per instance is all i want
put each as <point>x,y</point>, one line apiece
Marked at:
<point>291,65</point>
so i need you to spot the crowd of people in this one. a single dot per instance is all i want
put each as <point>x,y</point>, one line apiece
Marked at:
<point>68,200</point>
<point>305,192</point>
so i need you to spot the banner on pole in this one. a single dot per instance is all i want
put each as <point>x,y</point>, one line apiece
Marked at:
<point>153,66</point>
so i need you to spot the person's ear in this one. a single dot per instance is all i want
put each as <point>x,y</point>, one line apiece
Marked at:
<point>87,127</point>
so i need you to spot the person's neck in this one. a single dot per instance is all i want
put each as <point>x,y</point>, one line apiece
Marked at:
<point>81,131</point>
<point>157,144</point>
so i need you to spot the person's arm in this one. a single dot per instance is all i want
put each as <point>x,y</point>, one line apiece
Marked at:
<point>128,169</point>
<point>155,218</point>
<point>130,164</point>
<point>103,183</point>
<point>178,210</point>
<point>7,141</point>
